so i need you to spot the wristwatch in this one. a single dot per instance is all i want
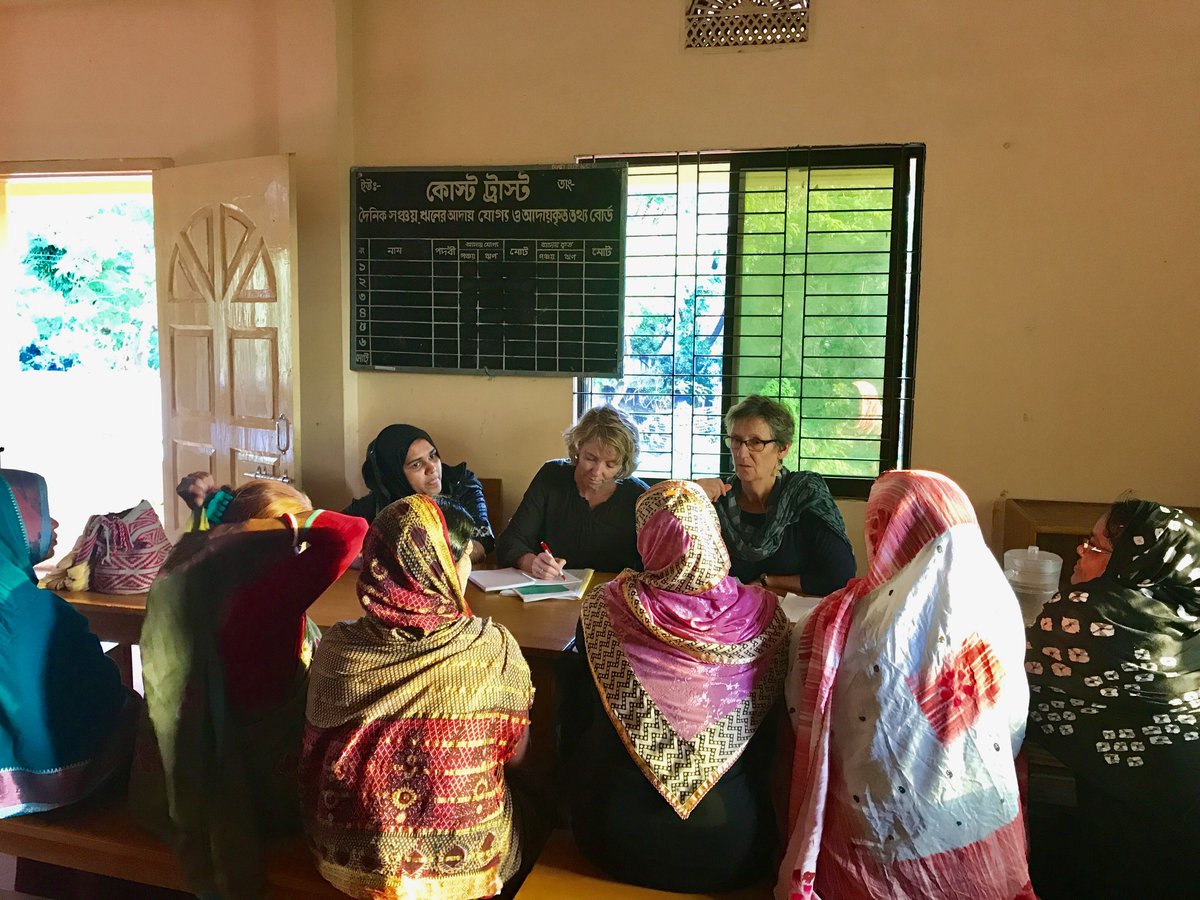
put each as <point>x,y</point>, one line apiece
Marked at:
<point>762,580</point>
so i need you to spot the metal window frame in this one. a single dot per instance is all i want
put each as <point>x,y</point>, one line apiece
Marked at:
<point>905,160</point>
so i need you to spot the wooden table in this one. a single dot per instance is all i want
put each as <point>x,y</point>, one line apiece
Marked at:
<point>542,629</point>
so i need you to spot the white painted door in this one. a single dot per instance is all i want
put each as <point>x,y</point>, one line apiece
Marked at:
<point>225,239</point>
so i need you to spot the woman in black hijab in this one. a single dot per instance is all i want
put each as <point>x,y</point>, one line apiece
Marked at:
<point>403,460</point>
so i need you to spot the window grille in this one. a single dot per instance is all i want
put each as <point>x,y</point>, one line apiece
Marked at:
<point>746,23</point>
<point>789,273</point>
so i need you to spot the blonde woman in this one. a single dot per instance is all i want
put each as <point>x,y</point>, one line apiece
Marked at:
<point>581,508</point>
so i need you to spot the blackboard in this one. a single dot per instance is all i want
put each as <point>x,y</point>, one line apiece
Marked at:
<point>509,270</point>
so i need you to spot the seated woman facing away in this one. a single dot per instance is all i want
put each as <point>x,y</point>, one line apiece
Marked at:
<point>225,652</point>
<point>667,744</point>
<point>414,711</point>
<point>908,696</point>
<point>66,723</point>
<point>403,460</point>
<point>782,528</point>
<point>1115,672</point>
<point>580,507</point>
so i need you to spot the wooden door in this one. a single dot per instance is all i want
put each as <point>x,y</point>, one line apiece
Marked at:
<point>224,235</point>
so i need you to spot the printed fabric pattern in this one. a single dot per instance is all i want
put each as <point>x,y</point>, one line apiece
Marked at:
<point>118,553</point>
<point>794,494</point>
<point>908,704</point>
<point>1115,665</point>
<point>687,661</point>
<point>412,713</point>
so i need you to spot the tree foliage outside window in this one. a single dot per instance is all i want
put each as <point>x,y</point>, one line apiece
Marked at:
<point>84,291</point>
<point>675,272</point>
<point>754,275</point>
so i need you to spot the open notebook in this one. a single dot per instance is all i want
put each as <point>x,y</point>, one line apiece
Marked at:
<point>549,590</point>
<point>517,583</point>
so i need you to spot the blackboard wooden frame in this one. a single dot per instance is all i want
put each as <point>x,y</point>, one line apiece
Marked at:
<point>495,270</point>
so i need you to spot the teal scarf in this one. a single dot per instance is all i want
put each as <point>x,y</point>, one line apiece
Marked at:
<point>63,710</point>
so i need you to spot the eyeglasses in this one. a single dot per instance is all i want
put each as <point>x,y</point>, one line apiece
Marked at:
<point>754,445</point>
<point>1091,547</point>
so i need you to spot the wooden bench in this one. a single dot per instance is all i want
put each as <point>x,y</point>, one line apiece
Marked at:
<point>561,873</point>
<point>100,836</point>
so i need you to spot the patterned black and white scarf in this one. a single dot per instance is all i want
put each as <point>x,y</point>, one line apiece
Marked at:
<point>1114,667</point>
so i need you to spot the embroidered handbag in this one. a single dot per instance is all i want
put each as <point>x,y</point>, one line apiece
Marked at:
<point>118,553</point>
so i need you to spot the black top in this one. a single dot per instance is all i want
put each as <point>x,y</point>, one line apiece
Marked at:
<point>810,548</point>
<point>624,826</point>
<point>602,537</point>
<point>460,485</point>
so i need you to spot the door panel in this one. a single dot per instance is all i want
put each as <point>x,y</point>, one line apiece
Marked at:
<point>225,234</point>
<point>193,385</point>
<point>246,465</point>
<point>254,376</point>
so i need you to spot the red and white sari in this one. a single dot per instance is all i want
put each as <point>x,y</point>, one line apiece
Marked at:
<point>909,700</point>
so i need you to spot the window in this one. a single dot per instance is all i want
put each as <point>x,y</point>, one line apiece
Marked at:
<point>788,273</point>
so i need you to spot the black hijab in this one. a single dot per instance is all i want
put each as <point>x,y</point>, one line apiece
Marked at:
<point>383,469</point>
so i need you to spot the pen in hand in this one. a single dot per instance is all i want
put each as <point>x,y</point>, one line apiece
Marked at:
<point>557,564</point>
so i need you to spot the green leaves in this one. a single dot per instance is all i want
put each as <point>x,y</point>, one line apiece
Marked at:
<point>88,291</point>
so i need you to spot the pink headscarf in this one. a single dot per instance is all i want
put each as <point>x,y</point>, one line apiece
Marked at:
<point>907,510</point>
<point>692,644</point>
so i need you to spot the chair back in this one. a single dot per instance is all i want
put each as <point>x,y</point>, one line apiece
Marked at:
<point>493,496</point>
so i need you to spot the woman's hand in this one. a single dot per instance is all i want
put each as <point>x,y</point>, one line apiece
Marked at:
<point>714,488</point>
<point>195,488</point>
<point>542,565</point>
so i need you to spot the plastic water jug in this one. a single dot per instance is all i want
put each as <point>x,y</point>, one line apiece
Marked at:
<point>1033,574</point>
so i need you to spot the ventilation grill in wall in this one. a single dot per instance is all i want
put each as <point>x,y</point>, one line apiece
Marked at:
<point>746,23</point>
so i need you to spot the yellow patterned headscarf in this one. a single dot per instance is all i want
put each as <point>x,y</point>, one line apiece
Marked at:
<point>408,578</point>
<point>679,539</point>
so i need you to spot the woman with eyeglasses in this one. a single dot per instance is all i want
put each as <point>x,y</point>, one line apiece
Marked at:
<point>782,528</point>
<point>1114,670</point>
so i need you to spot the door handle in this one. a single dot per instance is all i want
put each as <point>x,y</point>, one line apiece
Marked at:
<point>283,433</point>
<point>261,474</point>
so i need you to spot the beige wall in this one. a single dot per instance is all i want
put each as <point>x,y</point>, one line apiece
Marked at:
<point>1058,311</point>
<point>199,81</point>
